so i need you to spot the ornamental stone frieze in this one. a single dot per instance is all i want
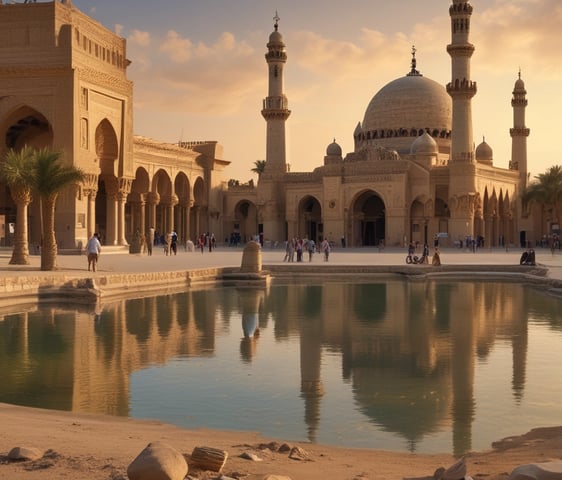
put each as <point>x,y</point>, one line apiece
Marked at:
<point>90,184</point>
<point>105,79</point>
<point>463,203</point>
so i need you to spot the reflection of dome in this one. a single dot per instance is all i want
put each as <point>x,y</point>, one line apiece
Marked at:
<point>424,144</point>
<point>334,149</point>
<point>411,406</point>
<point>484,152</point>
<point>406,107</point>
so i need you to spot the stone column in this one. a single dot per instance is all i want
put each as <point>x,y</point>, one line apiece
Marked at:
<point>124,190</point>
<point>152,199</point>
<point>90,191</point>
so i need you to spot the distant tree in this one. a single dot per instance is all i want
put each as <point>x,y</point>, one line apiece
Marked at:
<point>259,167</point>
<point>546,190</point>
<point>17,171</point>
<point>51,178</point>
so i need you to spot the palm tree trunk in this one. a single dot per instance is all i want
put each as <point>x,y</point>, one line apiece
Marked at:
<point>20,254</point>
<point>49,247</point>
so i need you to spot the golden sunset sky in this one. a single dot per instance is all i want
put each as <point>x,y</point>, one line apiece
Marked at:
<point>199,70</point>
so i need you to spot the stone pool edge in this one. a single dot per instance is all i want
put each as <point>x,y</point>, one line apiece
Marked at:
<point>89,289</point>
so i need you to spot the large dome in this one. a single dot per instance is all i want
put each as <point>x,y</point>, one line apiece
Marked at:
<point>407,107</point>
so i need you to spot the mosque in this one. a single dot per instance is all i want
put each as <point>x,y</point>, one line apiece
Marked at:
<point>414,174</point>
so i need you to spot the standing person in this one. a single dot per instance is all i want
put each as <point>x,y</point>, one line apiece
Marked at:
<point>174,243</point>
<point>202,242</point>
<point>93,249</point>
<point>150,240</point>
<point>325,247</point>
<point>311,246</point>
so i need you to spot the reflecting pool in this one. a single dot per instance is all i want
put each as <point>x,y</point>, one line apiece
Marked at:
<point>399,365</point>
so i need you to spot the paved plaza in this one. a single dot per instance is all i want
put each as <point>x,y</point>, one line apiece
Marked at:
<point>113,262</point>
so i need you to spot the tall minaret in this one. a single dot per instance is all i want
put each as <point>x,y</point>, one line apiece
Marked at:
<point>275,106</point>
<point>462,163</point>
<point>519,132</point>
<point>271,195</point>
<point>461,89</point>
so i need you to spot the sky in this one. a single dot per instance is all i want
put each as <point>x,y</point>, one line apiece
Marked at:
<point>199,69</point>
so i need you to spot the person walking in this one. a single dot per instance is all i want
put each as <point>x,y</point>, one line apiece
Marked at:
<point>93,249</point>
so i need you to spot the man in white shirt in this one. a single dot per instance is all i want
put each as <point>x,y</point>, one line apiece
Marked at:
<point>93,249</point>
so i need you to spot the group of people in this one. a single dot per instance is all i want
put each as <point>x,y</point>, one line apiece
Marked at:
<point>300,246</point>
<point>435,261</point>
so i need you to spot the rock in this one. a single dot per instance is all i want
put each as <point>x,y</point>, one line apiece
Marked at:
<point>285,448</point>
<point>158,461</point>
<point>538,471</point>
<point>456,471</point>
<point>20,454</point>
<point>250,456</point>
<point>298,453</point>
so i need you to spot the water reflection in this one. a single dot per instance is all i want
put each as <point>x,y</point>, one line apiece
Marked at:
<point>408,351</point>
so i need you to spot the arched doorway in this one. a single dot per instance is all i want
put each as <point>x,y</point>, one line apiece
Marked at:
<point>368,220</point>
<point>24,126</point>
<point>310,219</point>
<point>199,221</point>
<point>182,209</point>
<point>245,223</point>
<point>107,152</point>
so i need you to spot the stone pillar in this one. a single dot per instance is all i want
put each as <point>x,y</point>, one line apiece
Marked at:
<point>152,199</point>
<point>90,191</point>
<point>124,190</point>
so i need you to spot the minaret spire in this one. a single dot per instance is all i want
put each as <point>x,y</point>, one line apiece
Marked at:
<point>276,106</point>
<point>519,132</point>
<point>462,88</point>
<point>275,111</point>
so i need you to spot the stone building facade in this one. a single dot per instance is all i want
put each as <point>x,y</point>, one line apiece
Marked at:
<point>414,173</point>
<point>63,85</point>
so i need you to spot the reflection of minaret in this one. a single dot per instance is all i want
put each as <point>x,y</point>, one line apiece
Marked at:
<point>519,346</point>
<point>250,299</point>
<point>462,368</point>
<point>312,389</point>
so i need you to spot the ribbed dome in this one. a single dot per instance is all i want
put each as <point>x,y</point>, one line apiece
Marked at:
<point>409,102</point>
<point>484,152</point>
<point>405,108</point>
<point>424,144</point>
<point>334,149</point>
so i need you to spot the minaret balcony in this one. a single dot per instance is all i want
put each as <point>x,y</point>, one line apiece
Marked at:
<point>460,50</point>
<point>519,132</point>
<point>462,88</point>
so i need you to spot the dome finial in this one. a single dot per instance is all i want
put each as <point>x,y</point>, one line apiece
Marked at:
<point>413,72</point>
<point>276,18</point>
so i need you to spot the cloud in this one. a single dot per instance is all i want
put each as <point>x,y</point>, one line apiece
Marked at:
<point>178,49</point>
<point>520,33</point>
<point>185,76</point>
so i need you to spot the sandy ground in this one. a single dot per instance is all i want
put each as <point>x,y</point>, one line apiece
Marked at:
<point>95,447</point>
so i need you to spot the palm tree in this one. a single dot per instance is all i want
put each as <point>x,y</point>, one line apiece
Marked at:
<point>547,190</point>
<point>51,177</point>
<point>17,171</point>
<point>259,167</point>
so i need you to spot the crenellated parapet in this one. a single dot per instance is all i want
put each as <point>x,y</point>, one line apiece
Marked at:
<point>462,88</point>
